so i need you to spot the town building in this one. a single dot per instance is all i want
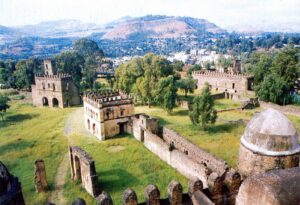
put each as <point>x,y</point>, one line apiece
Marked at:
<point>54,89</point>
<point>106,114</point>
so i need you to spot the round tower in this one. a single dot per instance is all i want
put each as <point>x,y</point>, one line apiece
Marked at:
<point>269,142</point>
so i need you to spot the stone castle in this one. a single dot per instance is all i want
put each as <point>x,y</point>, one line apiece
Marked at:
<point>53,89</point>
<point>224,82</point>
<point>106,114</point>
<point>270,142</point>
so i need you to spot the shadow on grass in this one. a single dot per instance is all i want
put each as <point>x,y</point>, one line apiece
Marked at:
<point>13,119</point>
<point>16,145</point>
<point>181,113</point>
<point>220,128</point>
<point>115,180</point>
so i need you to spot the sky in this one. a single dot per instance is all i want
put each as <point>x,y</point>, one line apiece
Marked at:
<point>235,14</point>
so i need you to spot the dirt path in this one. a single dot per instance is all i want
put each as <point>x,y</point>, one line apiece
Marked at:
<point>74,125</point>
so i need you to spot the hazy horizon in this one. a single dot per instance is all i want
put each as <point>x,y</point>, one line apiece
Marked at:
<point>268,15</point>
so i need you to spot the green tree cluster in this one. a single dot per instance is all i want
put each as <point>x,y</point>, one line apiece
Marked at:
<point>202,110</point>
<point>152,79</point>
<point>275,74</point>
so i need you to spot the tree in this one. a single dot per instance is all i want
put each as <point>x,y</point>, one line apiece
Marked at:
<point>273,89</point>
<point>25,71</point>
<point>89,74</point>
<point>178,65</point>
<point>286,65</point>
<point>166,93</point>
<point>188,85</point>
<point>202,111</point>
<point>3,105</point>
<point>87,48</point>
<point>72,63</point>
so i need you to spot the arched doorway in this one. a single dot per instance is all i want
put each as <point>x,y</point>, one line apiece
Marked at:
<point>55,102</point>
<point>77,169</point>
<point>45,101</point>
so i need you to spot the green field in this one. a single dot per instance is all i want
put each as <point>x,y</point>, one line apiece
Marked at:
<point>31,133</point>
<point>28,134</point>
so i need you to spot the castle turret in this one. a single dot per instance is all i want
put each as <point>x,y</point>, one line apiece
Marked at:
<point>49,68</point>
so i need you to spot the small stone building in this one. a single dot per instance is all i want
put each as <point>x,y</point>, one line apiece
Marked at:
<point>269,142</point>
<point>107,114</point>
<point>53,89</point>
<point>224,82</point>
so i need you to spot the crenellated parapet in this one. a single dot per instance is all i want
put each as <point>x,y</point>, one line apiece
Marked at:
<point>59,76</point>
<point>101,99</point>
<point>215,74</point>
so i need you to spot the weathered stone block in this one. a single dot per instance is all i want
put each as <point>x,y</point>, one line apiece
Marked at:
<point>104,199</point>
<point>152,195</point>
<point>40,179</point>
<point>129,197</point>
<point>175,193</point>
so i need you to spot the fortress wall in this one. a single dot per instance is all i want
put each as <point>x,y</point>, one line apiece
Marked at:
<point>213,163</point>
<point>222,81</point>
<point>175,158</point>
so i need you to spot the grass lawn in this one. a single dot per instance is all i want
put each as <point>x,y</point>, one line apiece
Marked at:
<point>123,162</point>
<point>30,133</point>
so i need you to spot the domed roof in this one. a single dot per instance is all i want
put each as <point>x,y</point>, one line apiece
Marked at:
<point>271,133</point>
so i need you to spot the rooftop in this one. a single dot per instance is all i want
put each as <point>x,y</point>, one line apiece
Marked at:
<point>271,133</point>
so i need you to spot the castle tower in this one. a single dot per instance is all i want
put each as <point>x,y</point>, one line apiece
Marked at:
<point>269,142</point>
<point>49,68</point>
<point>237,66</point>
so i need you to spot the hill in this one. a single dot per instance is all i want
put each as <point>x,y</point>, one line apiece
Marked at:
<point>126,36</point>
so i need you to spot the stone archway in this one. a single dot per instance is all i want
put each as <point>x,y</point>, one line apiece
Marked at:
<point>45,101</point>
<point>55,102</point>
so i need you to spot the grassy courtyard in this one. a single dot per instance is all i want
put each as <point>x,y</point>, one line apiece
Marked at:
<point>30,133</point>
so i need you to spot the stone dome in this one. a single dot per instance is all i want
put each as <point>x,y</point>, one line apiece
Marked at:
<point>271,133</point>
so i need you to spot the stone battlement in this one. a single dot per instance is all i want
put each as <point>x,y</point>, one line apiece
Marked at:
<point>60,76</point>
<point>220,75</point>
<point>102,99</point>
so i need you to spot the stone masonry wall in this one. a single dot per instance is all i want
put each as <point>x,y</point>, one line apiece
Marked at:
<point>190,160</point>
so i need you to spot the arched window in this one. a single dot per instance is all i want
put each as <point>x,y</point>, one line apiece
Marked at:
<point>43,85</point>
<point>53,86</point>
<point>48,85</point>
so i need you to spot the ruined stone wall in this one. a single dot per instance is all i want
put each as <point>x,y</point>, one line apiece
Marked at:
<point>254,163</point>
<point>223,82</point>
<point>83,169</point>
<point>187,158</point>
<point>211,162</point>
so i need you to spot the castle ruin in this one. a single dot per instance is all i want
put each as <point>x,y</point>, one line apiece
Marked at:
<point>224,82</point>
<point>106,114</point>
<point>53,89</point>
